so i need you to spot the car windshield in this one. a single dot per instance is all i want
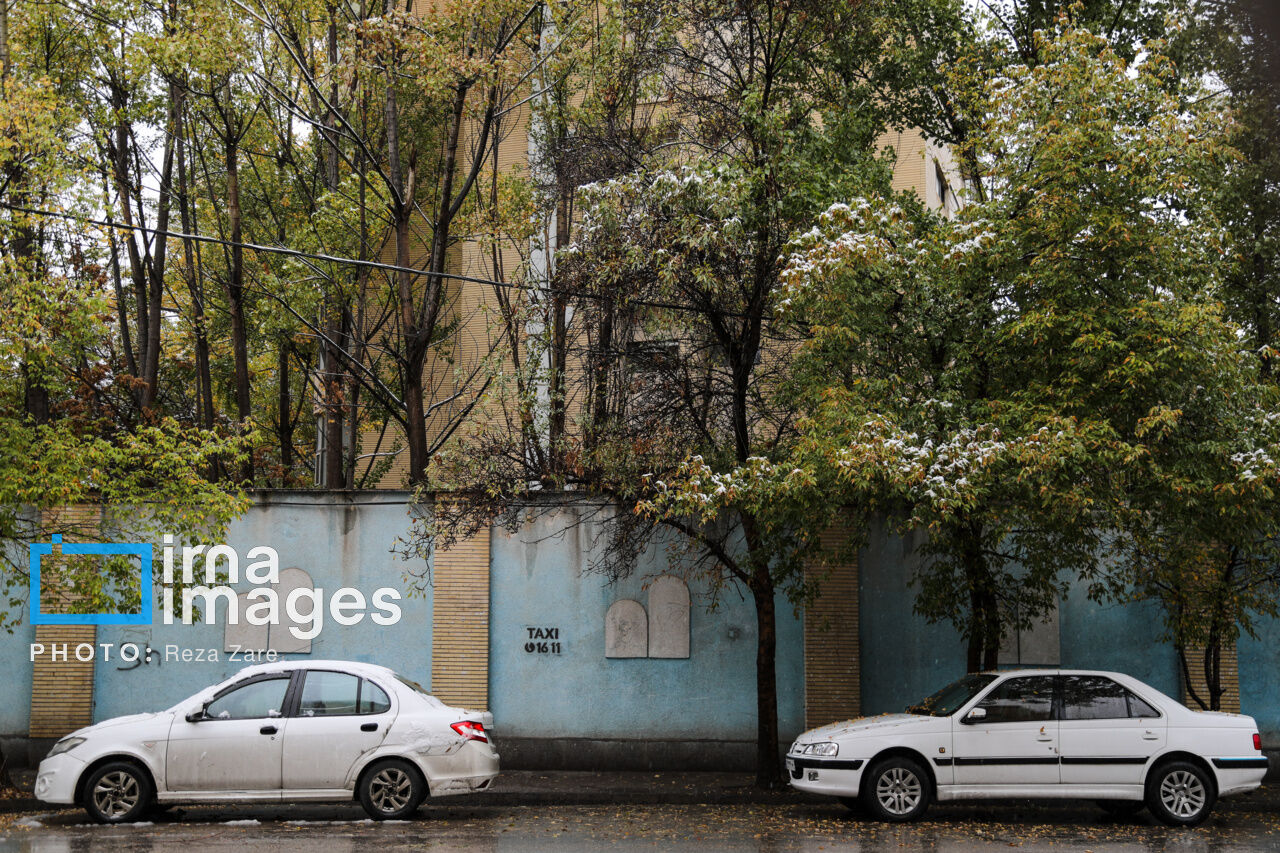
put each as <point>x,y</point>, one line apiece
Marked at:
<point>949,699</point>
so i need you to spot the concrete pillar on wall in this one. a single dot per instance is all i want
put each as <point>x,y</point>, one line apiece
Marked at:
<point>832,652</point>
<point>460,623</point>
<point>62,683</point>
<point>1230,679</point>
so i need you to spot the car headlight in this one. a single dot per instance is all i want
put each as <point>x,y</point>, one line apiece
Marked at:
<point>65,745</point>
<point>825,747</point>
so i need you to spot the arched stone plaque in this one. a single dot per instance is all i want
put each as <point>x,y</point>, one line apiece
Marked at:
<point>668,618</point>
<point>626,630</point>
<point>282,639</point>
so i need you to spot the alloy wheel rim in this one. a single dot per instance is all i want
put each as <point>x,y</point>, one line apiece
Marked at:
<point>1183,794</point>
<point>390,789</point>
<point>898,790</point>
<point>116,794</point>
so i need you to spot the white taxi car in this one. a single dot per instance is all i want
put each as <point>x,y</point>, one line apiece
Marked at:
<point>313,730</point>
<point>1031,734</point>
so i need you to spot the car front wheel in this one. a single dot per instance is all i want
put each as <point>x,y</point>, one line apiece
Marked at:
<point>896,790</point>
<point>392,790</point>
<point>1180,794</point>
<point>117,793</point>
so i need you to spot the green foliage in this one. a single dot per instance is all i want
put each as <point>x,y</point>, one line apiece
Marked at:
<point>146,482</point>
<point>993,379</point>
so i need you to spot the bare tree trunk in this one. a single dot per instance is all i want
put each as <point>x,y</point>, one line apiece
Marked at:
<point>235,290</point>
<point>195,286</point>
<point>118,148</point>
<point>284,404</point>
<point>984,618</point>
<point>416,339</point>
<point>603,366</point>
<point>559,348</point>
<point>333,382</point>
<point>6,60</point>
<point>333,385</point>
<point>768,769</point>
<point>155,289</point>
<point>1192,693</point>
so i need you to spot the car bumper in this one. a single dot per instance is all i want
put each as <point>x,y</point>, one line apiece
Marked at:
<point>57,777</point>
<point>471,768</point>
<point>1237,775</point>
<point>836,777</point>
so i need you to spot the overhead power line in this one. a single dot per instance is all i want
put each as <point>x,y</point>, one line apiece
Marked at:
<point>337,259</point>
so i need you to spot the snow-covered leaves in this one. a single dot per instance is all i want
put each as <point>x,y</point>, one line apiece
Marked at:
<point>1012,378</point>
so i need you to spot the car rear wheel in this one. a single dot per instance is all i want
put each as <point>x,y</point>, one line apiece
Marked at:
<point>117,793</point>
<point>896,790</point>
<point>1121,808</point>
<point>1180,793</point>
<point>392,790</point>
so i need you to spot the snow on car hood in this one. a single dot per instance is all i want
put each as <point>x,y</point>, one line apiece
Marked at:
<point>865,725</point>
<point>131,719</point>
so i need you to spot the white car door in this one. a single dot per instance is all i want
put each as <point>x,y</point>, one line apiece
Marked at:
<point>1015,741</point>
<point>339,718</point>
<point>1107,734</point>
<point>236,746</point>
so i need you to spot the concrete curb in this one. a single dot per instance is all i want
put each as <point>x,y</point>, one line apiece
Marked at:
<point>20,804</point>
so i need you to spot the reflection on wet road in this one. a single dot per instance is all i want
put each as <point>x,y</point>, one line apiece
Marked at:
<point>578,829</point>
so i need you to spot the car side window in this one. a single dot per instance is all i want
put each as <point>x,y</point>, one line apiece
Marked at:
<point>1093,697</point>
<point>329,694</point>
<point>252,701</point>
<point>1020,700</point>
<point>373,700</point>
<point>1140,709</point>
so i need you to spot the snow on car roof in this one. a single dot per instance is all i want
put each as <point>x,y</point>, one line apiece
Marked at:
<point>353,666</point>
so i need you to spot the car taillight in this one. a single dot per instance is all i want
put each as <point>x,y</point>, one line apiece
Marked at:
<point>1257,741</point>
<point>470,730</point>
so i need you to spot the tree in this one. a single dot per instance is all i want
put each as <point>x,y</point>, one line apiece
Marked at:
<point>991,378</point>
<point>56,341</point>
<point>1198,534</point>
<point>673,277</point>
<point>1199,531</point>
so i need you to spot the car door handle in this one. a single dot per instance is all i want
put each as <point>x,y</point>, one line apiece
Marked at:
<point>267,730</point>
<point>369,727</point>
<point>1149,735</point>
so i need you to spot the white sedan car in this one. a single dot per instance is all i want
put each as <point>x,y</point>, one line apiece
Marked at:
<point>314,730</point>
<point>1036,733</point>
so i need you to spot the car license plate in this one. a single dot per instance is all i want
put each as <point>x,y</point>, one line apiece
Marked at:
<point>791,766</point>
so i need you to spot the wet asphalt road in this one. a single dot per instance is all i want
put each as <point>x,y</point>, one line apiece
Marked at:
<point>1237,826</point>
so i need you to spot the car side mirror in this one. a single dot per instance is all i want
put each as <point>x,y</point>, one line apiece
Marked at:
<point>976,715</point>
<point>198,715</point>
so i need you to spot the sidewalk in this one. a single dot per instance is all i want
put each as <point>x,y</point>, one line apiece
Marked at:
<point>573,788</point>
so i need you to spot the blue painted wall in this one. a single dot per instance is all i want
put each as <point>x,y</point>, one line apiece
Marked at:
<point>1119,638</point>
<point>342,541</point>
<point>15,663</point>
<point>1259,661</point>
<point>904,658</point>
<point>538,581</point>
